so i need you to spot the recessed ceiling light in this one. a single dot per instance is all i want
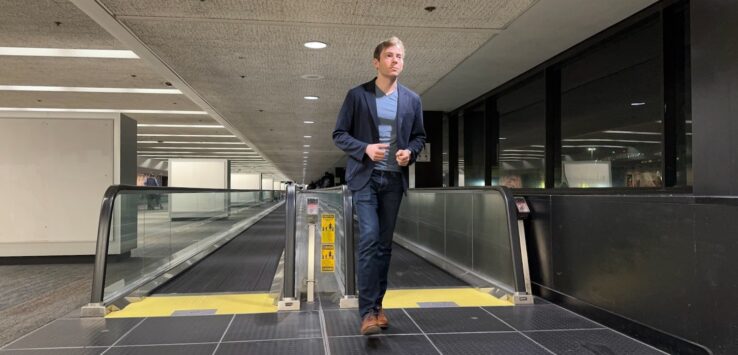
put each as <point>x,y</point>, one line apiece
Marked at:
<point>179,125</point>
<point>306,145</point>
<point>637,103</point>
<point>312,98</point>
<point>62,52</point>
<point>88,89</point>
<point>308,122</point>
<point>307,136</point>
<point>312,77</point>
<point>305,153</point>
<point>207,148</point>
<point>100,110</point>
<point>316,45</point>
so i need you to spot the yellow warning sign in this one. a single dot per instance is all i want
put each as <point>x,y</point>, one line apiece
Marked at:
<point>328,261</point>
<point>328,228</point>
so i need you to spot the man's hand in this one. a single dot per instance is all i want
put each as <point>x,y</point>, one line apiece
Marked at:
<point>376,151</point>
<point>403,157</point>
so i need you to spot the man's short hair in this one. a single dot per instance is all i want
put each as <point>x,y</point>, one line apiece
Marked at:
<point>392,41</point>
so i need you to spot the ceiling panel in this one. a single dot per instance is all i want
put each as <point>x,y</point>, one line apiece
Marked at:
<point>489,14</point>
<point>267,104</point>
<point>96,100</point>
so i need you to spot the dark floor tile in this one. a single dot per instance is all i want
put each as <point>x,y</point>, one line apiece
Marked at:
<point>275,347</point>
<point>189,349</point>
<point>348,322</point>
<point>485,343</point>
<point>67,351</point>
<point>174,330</point>
<point>265,326</point>
<point>391,344</point>
<point>451,320</point>
<point>76,333</point>
<point>596,341</point>
<point>541,317</point>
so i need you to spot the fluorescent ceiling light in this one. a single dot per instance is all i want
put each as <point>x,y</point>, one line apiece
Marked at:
<point>308,122</point>
<point>100,110</point>
<point>311,97</point>
<point>182,142</point>
<point>609,140</point>
<point>188,152</point>
<point>210,148</point>
<point>315,45</point>
<point>307,136</point>
<point>62,52</point>
<point>523,150</point>
<point>594,146</point>
<point>88,89</point>
<point>179,125</point>
<point>306,145</point>
<point>637,103</point>
<point>187,135</point>
<point>633,132</point>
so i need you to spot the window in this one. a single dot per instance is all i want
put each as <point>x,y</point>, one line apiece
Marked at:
<point>522,138</point>
<point>612,111</point>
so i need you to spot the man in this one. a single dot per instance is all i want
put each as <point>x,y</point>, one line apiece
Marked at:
<point>380,127</point>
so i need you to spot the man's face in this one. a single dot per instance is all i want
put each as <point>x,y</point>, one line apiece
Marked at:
<point>390,62</point>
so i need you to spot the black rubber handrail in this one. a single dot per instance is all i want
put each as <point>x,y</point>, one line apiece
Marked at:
<point>105,221</point>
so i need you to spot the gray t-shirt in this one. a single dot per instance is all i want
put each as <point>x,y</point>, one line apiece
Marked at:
<point>387,112</point>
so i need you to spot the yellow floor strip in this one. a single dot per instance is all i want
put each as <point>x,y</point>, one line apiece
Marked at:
<point>462,297</point>
<point>164,306</point>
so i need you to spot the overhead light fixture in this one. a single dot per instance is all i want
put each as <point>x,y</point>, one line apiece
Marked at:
<point>306,146</point>
<point>312,77</point>
<point>308,122</point>
<point>179,125</point>
<point>609,140</point>
<point>637,103</point>
<point>633,132</point>
<point>311,98</point>
<point>184,142</point>
<point>88,89</point>
<point>523,150</point>
<point>315,45</point>
<point>187,135</point>
<point>307,137</point>
<point>62,52</point>
<point>99,110</point>
<point>206,148</point>
<point>305,152</point>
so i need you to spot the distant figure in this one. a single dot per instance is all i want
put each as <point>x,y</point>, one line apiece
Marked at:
<point>380,127</point>
<point>327,180</point>
<point>153,198</point>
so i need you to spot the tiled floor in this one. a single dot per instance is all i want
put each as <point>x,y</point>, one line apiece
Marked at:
<point>536,329</point>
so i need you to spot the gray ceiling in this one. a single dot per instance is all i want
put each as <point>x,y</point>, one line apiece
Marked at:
<point>454,54</point>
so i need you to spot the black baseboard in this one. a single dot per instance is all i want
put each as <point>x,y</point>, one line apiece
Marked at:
<point>56,259</point>
<point>654,337</point>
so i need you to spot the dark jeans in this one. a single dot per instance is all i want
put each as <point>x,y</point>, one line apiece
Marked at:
<point>376,206</point>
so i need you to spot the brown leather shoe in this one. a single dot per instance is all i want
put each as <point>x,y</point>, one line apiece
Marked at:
<point>369,325</point>
<point>382,320</point>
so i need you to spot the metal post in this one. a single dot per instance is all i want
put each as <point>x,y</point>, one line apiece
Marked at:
<point>349,299</point>
<point>289,301</point>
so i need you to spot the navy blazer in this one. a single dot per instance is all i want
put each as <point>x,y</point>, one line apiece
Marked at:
<point>356,127</point>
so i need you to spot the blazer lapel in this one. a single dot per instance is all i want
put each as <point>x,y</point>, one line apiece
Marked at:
<point>400,105</point>
<point>370,98</point>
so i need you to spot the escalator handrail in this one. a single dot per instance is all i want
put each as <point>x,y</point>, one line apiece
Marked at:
<point>105,222</point>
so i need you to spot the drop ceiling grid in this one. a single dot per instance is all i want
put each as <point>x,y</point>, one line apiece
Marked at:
<point>487,14</point>
<point>81,72</point>
<point>212,55</point>
<point>25,23</point>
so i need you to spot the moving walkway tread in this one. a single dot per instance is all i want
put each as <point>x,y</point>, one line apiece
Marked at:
<point>245,264</point>
<point>408,270</point>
